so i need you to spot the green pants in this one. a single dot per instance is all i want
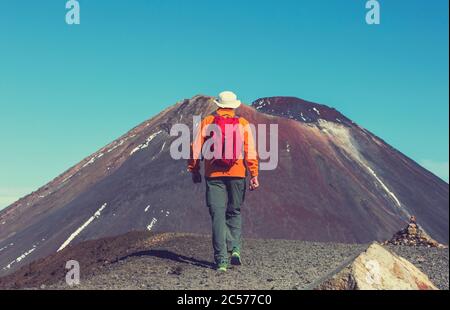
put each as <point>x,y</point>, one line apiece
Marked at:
<point>224,197</point>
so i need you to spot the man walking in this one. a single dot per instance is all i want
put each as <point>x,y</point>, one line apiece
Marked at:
<point>232,156</point>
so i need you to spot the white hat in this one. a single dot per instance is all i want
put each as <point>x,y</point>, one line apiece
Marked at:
<point>227,100</point>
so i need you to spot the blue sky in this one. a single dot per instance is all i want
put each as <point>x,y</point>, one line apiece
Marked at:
<point>66,91</point>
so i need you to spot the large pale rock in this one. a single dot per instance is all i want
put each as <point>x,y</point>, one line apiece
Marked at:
<point>378,269</point>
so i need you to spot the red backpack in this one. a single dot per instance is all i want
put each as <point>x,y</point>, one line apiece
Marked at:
<point>231,146</point>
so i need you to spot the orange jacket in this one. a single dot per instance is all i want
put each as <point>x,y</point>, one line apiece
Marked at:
<point>239,169</point>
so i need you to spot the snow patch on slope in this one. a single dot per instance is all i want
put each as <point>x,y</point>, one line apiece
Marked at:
<point>262,103</point>
<point>343,136</point>
<point>67,178</point>
<point>386,189</point>
<point>167,213</point>
<point>20,258</point>
<point>6,246</point>
<point>153,222</point>
<point>121,142</point>
<point>92,160</point>
<point>82,227</point>
<point>23,256</point>
<point>146,143</point>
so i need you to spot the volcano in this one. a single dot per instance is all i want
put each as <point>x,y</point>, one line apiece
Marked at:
<point>335,182</point>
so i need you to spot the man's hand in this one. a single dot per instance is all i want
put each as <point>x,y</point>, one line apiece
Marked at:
<point>254,183</point>
<point>196,177</point>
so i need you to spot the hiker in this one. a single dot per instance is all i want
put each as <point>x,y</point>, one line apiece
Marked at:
<point>225,176</point>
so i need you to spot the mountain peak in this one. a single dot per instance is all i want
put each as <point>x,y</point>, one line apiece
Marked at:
<point>299,109</point>
<point>331,174</point>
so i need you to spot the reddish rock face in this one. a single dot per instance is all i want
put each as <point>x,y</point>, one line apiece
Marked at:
<point>335,181</point>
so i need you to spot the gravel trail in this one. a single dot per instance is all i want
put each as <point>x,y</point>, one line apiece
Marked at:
<point>186,263</point>
<point>173,261</point>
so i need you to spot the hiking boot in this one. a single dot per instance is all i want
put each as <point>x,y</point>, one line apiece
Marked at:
<point>236,258</point>
<point>222,267</point>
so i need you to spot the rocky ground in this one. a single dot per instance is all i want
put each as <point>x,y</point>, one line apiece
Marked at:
<point>185,263</point>
<point>141,260</point>
<point>434,262</point>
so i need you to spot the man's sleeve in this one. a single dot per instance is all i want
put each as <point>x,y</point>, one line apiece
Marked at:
<point>250,154</point>
<point>196,147</point>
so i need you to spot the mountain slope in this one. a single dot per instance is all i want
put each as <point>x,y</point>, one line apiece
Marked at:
<point>335,182</point>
